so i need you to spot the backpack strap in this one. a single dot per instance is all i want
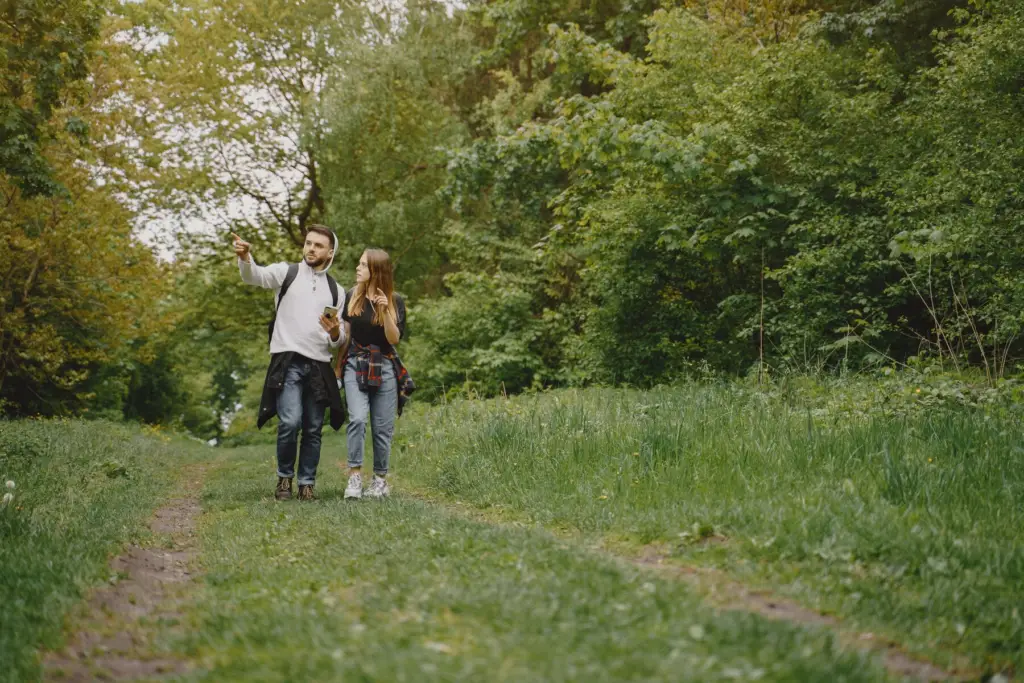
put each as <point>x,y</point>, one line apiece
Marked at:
<point>334,290</point>
<point>289,278</point>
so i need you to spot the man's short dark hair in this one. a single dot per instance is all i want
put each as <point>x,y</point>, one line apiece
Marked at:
<point>322,230</point>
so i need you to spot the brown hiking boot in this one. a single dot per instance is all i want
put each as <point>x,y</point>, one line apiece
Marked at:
<point>306,492</point>
<point>284,488</point>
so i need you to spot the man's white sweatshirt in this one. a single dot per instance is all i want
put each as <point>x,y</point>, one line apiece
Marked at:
<point>298,318</point>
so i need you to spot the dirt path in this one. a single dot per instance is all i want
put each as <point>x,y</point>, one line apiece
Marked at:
<point>113,640</point>
<point>727,594</point>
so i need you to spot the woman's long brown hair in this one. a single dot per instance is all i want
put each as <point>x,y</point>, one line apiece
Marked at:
<point>382,279</point>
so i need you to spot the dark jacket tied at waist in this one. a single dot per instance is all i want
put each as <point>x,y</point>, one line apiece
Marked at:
<point>368,360</point>
<point>321,382</point>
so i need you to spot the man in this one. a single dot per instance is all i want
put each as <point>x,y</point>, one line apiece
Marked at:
<point>300,381</point>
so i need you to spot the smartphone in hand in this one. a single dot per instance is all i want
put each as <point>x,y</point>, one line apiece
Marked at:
<point>330,312</point>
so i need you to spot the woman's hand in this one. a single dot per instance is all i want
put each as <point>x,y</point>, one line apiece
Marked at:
<point>380,299</point>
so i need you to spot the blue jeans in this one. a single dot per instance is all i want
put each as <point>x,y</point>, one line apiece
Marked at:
<point>297,409</point>
<point>378,406</point>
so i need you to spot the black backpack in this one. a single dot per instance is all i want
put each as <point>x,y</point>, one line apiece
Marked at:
<point>293,271</point>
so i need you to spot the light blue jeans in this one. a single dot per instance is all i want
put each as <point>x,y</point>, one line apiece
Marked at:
<point>376,406</point>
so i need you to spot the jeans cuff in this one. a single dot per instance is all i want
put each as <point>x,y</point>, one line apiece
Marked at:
<point>286,476</point>
<point>306,482</point>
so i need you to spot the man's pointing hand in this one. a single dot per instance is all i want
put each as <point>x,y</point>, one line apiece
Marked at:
<point>241,248</point>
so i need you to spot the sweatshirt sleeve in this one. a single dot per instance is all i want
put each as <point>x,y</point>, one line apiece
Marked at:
<point>341,339</point>
<point>268,277</point>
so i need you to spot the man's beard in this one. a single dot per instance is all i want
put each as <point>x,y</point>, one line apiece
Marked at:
<point>316,263</point>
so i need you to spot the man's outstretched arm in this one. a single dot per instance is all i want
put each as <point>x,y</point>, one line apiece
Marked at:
<point>269,277</point>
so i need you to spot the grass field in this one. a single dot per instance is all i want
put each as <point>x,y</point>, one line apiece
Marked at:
<point>908,524</point>
<point>402,590</point>
<point>82,490</point>
<point>904,523</point>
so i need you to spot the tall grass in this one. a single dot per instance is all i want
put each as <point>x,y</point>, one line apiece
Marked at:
<point>911,523</point>
<point>82,489</point>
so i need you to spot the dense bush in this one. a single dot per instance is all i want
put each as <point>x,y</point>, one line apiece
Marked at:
<point>840,194</point>
<point>612,192</point>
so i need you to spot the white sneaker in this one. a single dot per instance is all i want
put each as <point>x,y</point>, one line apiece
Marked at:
<point>378,488</point>
<point>355,486</point>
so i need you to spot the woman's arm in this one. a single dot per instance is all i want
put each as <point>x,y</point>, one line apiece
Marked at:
<point>391,328</point>
<point>390,315</point>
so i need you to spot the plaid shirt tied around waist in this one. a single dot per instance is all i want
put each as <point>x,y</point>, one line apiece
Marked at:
<point>368,362</point>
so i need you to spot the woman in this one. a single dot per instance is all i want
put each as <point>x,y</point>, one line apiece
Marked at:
<point>376,384</point>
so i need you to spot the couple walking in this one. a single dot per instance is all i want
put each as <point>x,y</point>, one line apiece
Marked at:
<point>315,318</point>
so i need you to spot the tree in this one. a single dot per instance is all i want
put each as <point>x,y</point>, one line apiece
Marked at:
<point>78,288</point>
<point>393,112</point>
<point>45,45</point>
<point>238,127</point>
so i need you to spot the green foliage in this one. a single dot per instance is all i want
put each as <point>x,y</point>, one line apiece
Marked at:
<point>393,115</point>
<point>827,189</point>
<point>218,344</point>
<point>45,45</point>
<point>624,192</point>
<point>242,122</point>
<point>80,294</point>
<point>488,338</point>
<point>154,393</point>
<point>585,192</point>
<point>79,287</point>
